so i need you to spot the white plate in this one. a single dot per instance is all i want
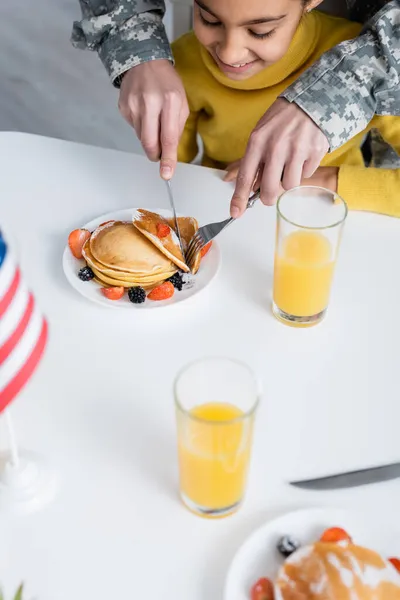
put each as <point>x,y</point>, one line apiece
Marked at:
<point>91,290</point>
<point>258,556</point>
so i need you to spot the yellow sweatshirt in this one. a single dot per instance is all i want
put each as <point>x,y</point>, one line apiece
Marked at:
<point>224,112</point>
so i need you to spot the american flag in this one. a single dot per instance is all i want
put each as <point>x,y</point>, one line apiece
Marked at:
<point>23,330</point>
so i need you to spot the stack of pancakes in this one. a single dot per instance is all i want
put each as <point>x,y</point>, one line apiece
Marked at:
<point>325,571</point>
<point>130,254</point>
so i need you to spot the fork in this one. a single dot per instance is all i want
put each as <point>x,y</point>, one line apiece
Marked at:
<point>205,234</point>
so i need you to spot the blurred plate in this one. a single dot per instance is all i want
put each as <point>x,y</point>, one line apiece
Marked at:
<point>259,557</point>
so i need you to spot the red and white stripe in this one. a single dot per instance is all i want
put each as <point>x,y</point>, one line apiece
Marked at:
<point>23,331</point>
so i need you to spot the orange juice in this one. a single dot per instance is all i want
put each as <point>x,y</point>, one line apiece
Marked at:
<point>214,451</point>
<point>303,273</point>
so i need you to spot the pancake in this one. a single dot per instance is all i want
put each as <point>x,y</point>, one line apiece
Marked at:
<point>187,227</point>
<point>324,571</point>
<point>127,276</point>
<point>147,223</point>
<point>106,281</point>
<point>135,280</point>
<point>120,247</point>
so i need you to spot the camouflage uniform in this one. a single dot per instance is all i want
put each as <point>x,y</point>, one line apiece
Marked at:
<point>357,79</point>
<point>341,92</point>
<point>125,33</point>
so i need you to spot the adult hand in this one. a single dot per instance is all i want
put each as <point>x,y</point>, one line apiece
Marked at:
<point>285,146</point>
<point>326,177</point>
<point>232,172</point>
<point>153,100</point>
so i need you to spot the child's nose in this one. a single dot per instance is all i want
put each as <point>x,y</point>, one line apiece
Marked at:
<point>230,50</point>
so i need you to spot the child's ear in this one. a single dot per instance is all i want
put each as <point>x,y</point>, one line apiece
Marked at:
<point>311,5</point>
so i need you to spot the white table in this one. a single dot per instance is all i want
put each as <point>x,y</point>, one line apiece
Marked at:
<point>100,407</point>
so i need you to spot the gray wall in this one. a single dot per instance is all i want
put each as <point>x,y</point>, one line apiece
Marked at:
<point>48,87</point>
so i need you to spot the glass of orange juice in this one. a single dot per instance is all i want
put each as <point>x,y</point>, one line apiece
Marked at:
<point>216,400</point>
<point>309,229</point>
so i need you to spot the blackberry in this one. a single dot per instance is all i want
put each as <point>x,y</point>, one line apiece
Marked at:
<point>86,274</point>
<point>136,295</point>
<point>177,281</point>
<point>287,545</point>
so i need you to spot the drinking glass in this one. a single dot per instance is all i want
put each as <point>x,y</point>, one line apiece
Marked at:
<point>216,400</point>
<point>309,228</point>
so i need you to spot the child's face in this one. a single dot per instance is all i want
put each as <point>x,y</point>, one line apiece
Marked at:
<point>246,36</point>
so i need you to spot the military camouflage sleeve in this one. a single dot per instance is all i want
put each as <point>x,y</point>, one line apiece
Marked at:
<point>355,80</point>
<point>125,33</point>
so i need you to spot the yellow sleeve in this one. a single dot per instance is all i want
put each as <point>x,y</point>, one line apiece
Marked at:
<point>188,148</point>
<point>374,190</point>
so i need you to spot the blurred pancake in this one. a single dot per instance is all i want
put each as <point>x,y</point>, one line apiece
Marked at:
<point>120,247</point>
<point>324,571</point>
<point>148,224</point>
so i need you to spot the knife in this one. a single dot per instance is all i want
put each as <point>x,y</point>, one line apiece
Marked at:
<point>172,203</point>
<point>351,479</point>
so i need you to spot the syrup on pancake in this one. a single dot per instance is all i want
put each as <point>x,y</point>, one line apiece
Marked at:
<point>147,223</point>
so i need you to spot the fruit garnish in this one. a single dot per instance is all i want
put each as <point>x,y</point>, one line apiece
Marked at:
<point>162,292</point>
<point>262,590</point>
<point>106,222</point>
<point>205,249</point>
<point>76,240</point>
<point>177,281</point>
<point>334,535</point>
<point>85,274</point>
<point>136,295</point>
<point>113,293</point>
<point>396,563</point>
<point>287,545</point>
<point>163,230</point>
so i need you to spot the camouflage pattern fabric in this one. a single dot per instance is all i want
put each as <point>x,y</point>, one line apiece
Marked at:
<point>125,33</point>
<point>383,155</point>
<point>341,92</point>
<point>356,79</point>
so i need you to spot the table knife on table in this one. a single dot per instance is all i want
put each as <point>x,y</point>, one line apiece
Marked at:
<point>172,203</point>
<point>351,478</point>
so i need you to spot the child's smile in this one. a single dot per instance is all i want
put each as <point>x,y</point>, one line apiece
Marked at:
<point>238,68</point>
<point>245,37</point>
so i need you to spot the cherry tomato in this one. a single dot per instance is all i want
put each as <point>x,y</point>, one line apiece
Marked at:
<point>334,535</point>
<point>262,590</point>
<point>205,249</point>
<point>396,563</point>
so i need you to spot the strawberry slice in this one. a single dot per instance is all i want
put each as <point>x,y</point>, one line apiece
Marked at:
<point>76,241</point>
<point>334,535</point>
<point>205,249</point>
<point>163,230</point>
<point>162,292</point>
<point>396,563</point>
<point>113,293</point>
<point>262,590</point>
